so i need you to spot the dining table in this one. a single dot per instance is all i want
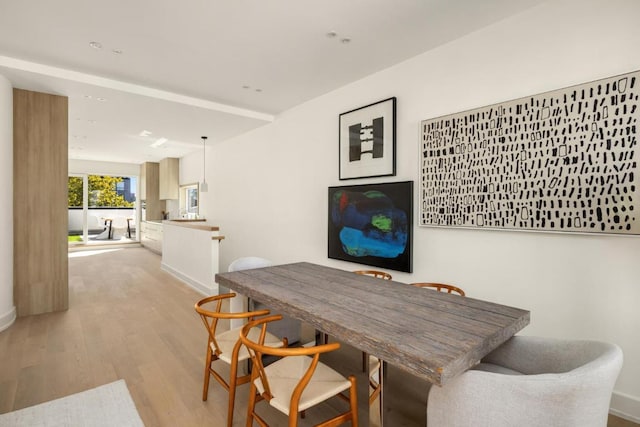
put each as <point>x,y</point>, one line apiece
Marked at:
<point>433,335</point>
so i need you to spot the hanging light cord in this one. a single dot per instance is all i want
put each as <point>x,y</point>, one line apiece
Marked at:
<point>204,159</point>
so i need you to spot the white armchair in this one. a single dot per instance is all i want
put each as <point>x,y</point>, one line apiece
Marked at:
<point>531,381</point>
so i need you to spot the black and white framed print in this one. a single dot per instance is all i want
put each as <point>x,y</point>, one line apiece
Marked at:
<point>368,141</point>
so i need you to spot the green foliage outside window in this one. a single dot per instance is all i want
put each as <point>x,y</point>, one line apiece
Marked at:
<point>102,192</point>
<point>75,192</point>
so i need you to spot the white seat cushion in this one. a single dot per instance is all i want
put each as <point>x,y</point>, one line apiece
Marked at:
<point>284,375</point>
<point>227,340</point>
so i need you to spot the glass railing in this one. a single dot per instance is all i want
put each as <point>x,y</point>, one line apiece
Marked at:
<point>104,224</point>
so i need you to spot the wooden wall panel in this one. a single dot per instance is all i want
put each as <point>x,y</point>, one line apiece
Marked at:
<point>151,182</point>
<point>40,155</point>
<point>169,180</point>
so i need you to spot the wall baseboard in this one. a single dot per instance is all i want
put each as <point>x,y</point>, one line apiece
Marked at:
<point>625,406</point>
<point>195,284</point>
<point>7,319</point>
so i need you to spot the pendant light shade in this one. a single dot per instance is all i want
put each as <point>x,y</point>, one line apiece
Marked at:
<point>204,187</point>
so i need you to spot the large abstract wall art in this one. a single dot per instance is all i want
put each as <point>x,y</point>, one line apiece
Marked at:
<point>372,224</point>
<point>559,161</point>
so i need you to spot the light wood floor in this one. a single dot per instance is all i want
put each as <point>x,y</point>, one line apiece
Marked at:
<point>130,320</point>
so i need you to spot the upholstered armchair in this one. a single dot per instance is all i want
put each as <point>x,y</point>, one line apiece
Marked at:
<point>531,381</point>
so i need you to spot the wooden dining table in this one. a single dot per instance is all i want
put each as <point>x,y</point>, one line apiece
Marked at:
<point>435,336</point>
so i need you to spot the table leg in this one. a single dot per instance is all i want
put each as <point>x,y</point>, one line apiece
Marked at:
<point>383,384</point>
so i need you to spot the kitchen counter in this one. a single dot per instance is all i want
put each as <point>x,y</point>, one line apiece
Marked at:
<point>190,252</point>
<point>198,224</point>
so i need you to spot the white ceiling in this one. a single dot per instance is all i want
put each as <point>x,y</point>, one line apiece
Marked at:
<point>184,64</point>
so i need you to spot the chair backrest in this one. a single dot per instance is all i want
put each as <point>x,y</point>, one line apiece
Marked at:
<point>257,349</point>
<point>210,317</point>
<point>374,273</point>
<point>441,287</point>
<point>247,263</point>
<point>559,382</point>
<point>119,222</point>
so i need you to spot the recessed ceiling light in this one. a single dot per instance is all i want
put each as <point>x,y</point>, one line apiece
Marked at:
<point>87,96</point>
<point>145,133</point>
<point>331,34</point>
<point>258,90</point>
<point>96,45</point>
<point>345,40</point>
<point>116,51</point>
<point>246,87</point>
<point>92,121</point>
<point>159,142</point>
<point>101,99</point>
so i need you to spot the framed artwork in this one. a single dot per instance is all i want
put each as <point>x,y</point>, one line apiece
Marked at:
<point>367,138</point>
<point>372,224</point>
<point>563,161</point>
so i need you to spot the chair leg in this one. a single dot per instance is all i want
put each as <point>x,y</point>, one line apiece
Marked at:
<point>353,401</point>
<point>251,405</point>
<point>365,360</point>
<point>207,375</point>
<point>233,381</point>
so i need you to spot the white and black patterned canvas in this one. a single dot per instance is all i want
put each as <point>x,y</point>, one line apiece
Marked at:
<point>564,161</point>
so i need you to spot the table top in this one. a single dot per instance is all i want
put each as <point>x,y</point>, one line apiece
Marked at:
<point>433,335</point>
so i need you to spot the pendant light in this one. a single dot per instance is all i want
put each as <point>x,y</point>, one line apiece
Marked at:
<point>204,187</point>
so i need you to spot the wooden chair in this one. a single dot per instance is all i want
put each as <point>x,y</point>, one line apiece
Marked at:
<point>441,287</point>
<point>374,273</point>
<point>227,347</point>
<point>375,379</point>
<point>295,382</point>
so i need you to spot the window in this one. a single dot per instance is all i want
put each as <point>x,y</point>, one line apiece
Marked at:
<point>111,191</point>
<point>189,195</point>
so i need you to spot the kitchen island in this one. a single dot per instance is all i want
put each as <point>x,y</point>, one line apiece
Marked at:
<point>190,252</point>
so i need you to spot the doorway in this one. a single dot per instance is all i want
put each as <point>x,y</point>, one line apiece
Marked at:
<point>103,209</point>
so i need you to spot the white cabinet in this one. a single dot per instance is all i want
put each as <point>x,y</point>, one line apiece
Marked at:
<point>151,236</point>
<point>169,187</point>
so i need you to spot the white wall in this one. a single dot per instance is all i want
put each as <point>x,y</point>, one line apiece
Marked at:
<point>7,309</point>
<point>103,168</point>
<point>268,188</point>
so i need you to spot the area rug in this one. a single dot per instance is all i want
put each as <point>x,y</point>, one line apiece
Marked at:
<point>109,405</point>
